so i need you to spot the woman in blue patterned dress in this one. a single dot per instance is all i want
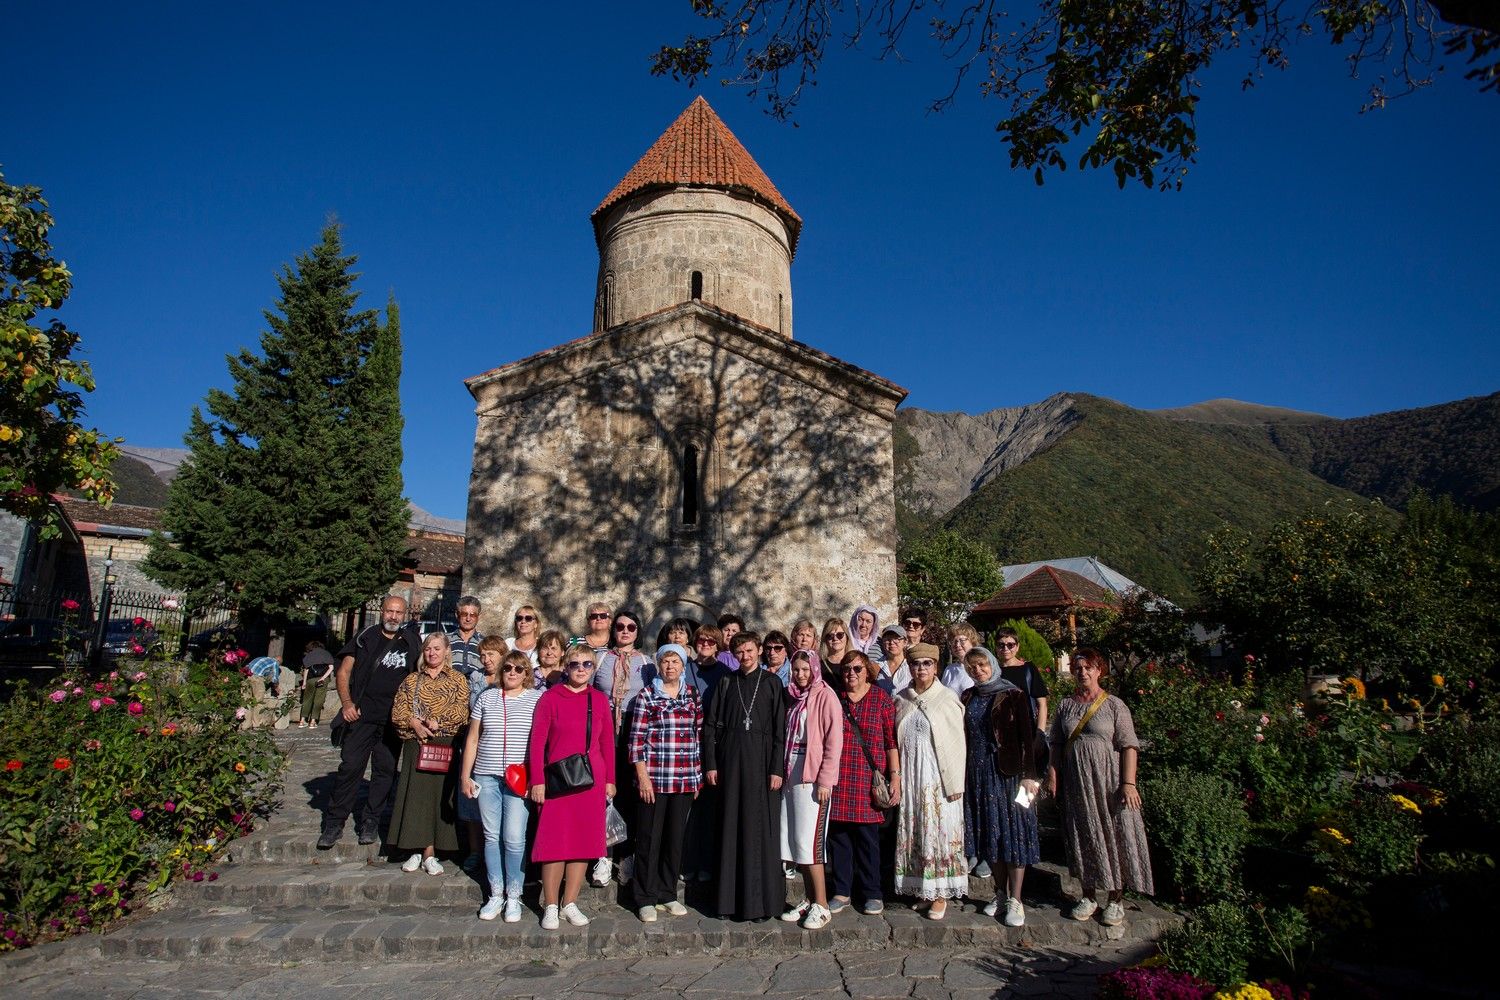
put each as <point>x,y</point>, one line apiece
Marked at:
<point>1001,736</point>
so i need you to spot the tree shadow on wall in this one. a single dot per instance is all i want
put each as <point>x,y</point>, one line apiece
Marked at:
<point>661,470</point>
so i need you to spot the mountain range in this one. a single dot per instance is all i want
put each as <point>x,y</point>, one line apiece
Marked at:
<point>1081,475</point>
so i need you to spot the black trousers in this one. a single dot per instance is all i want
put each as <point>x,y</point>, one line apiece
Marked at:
<point>660,828</point>
<point>854,860</point>
<point>367,743</point>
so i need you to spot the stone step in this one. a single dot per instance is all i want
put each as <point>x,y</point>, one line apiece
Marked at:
<point>301,934</point>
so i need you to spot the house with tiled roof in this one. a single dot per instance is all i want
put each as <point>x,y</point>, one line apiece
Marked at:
<point>687,455</point>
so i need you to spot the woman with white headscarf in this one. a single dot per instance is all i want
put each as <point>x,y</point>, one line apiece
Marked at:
<point>864,632</point>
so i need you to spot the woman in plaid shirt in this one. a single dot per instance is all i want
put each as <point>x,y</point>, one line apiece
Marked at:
<point>854,827</point>
<point>666,723</point>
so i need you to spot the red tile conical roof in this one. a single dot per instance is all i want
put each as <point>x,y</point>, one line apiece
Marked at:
<point>699,150</point>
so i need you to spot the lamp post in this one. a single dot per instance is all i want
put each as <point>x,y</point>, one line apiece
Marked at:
<point>106,595</point>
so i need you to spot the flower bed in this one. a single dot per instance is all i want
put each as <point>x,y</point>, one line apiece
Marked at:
<point>115,785</point>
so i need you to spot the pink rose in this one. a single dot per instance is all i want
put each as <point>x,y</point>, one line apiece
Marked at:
<point>96,704</point>
<point>138,676</point>
<point>78,690</point>
<point>169,806</point>
<point>240,714</point>
<point>108,700</point>
<point>101,686</point>
<point>137,648</point>
<point>136,708</point>
<point>70,605</point>
<point>114,675</point>
<point>57,696</point>
<point>137,814</point>
<point>1260,737</point>
<point>170,603</point>
<point>1265,720</point>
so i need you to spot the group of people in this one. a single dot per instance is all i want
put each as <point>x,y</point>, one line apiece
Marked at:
<point>849,755</point>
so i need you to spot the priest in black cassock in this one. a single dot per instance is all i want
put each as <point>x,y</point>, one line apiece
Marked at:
<point>744,750</point>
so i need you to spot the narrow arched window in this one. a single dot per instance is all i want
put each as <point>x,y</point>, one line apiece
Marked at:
<point>697,285</point>
<point>607,307</point>
<point>690,495</point>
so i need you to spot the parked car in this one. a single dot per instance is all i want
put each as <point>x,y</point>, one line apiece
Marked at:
<point>427,626</point>
<point>124,639</point>
<point>41,642</point>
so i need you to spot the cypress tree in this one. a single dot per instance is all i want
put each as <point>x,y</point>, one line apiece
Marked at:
<point>290,500</point>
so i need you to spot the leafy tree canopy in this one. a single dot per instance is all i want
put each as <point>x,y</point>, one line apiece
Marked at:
<point>43,448</point>
<point>948,574</point>
<point>1350,590</point>
<point>1127,72</point>
<point>291,496</point>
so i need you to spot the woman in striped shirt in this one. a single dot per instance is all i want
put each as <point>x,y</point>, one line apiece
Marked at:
<point>666,724</point>
<point>499,732</point>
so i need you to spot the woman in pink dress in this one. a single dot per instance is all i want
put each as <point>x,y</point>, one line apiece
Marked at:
<point>570,830</point>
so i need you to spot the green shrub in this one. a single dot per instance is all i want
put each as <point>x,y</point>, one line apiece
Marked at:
<point>1215,944</point>
<point>1374,837</point>
<point>1198,828</point>
<point>115,785</point>
<point>1187,719</point>
<point>1462,760</point>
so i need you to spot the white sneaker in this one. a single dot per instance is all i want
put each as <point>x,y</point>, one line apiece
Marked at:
<point>991,908</point>
<point>790,871</point>
<point>1084,910</point>
<point>412,863</point>
<point>673,907</point>
<point>549,917</point>
<point>573,915</point>
<point>1015,913</point>
<point>513,911</point>
<point>431,866</point>
<point>796,913</point>
<point>600,875</point>
<point>817,917</point>
<point>491,908</point>
<point>647,914</point>
<point>1114,914</point>
<point>627,870</point>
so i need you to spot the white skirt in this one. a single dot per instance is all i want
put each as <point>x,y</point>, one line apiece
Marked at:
<point>804,822</point>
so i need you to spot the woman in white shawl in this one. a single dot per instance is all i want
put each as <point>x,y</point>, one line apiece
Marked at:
<point>930,862</point>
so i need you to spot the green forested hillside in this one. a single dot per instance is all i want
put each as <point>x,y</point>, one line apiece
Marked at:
<point>1451,449</point>
<point>1137,490</point>
<point>136,483</point>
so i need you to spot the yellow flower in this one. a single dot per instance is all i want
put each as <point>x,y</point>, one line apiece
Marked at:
<point>1154,962</point>
<point>1354,688</point>
<point>1437,799</point>
<point>239,766</point>
<point>1245,991</point>
<point>1334,837</point>
<point>1414,703</point>
<point>1407,804</point>
<point>1437,680</point>
<point>1385,704</point>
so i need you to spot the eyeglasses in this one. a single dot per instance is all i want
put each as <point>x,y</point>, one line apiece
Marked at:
<point>624,627</point>
<point>525,618</point>
<point>1009,644</point>
<point>924,663</point>
<point>913,623</point>
<point>580,665</point>
<point>518,670</point>
<point>837,635</point>
<point>775,647</point>
<point>853,668</point>
<point>596,616</point>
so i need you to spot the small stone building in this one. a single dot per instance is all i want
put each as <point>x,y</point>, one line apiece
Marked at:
<point>688,456</point>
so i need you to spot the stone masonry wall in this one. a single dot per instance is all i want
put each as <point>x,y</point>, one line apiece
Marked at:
<point>576,491</point>
<point>651,244</point>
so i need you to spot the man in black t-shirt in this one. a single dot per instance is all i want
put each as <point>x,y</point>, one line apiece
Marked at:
<point>371,668</point>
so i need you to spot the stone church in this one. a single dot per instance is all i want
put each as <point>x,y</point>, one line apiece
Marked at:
<point>687,456</point>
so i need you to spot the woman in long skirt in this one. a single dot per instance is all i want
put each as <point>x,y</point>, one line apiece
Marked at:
<point>431,704</point>
<point>930,824</point>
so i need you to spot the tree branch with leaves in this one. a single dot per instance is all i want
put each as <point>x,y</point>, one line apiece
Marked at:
<point>1127,72</point>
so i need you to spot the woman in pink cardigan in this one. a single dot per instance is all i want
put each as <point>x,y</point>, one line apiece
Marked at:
<point>814,742</point>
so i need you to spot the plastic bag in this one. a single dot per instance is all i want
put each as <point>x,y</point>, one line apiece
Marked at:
<point>614,826</point>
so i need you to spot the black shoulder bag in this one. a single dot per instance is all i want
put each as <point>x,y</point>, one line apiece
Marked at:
<point>575,772</point>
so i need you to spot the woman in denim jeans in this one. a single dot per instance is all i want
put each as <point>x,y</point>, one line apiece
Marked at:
<point>499,731</point>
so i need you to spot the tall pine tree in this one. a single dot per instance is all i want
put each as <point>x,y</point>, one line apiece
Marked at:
<point>291,498</point>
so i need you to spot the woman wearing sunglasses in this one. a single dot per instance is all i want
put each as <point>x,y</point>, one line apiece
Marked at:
<point>571,718</point>
<point>499,733</point>
<point>624,671</point>
<point>835,649</point>
<point>528,629</point>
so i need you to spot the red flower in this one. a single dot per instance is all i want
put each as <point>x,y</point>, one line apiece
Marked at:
<point>13,765</point>
<point>70,605</point>
<point>61,764</point>
<point>136,708</point>
<point>1249,657</point>
<point>1218,716</point>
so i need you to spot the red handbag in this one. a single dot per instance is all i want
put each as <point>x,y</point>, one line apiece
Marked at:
<point>515,774</point>
<point>434,758</point>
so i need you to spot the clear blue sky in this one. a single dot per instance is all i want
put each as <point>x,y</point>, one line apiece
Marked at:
<point>1319,259</point>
